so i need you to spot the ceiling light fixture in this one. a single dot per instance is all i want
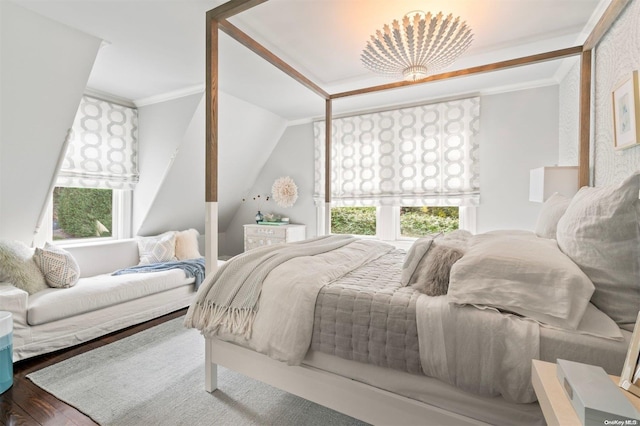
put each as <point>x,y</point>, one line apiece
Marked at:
<point>422,44</point>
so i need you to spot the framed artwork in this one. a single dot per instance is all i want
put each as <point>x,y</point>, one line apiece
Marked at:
<point>630,377</point>
<point>626,113</point>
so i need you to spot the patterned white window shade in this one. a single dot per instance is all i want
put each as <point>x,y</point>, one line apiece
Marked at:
<point>103,148</point>
<point>422,155</point>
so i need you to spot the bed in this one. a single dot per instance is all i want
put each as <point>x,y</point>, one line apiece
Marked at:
<point>342,321</point>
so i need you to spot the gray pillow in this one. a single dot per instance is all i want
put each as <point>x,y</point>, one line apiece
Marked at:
<point>18,267</point>
<point>600,232</point>
<point>552,211</point>
<point>432,274</point>
<point>418,249</point>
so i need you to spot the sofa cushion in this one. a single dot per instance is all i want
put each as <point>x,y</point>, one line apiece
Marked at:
<point>187,244</point>
<point>157,249</point>
<point>59,267</point>
<point>104,257</point>
<point>18,267</point>
<point>98,292</point>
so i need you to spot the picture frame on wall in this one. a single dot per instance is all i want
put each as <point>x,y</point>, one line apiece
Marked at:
<point>630,377</point>
<point>626,113</point>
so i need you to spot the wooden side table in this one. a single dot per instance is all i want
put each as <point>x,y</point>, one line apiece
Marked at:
<point>555,404</point>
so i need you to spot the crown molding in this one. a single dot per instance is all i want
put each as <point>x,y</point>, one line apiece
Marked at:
<point>168,96</point>
<point>94,93</point>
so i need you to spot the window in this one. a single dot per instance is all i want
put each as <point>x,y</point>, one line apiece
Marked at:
<point>396,162</point>
<point>92,196</point>
<point>416,222</point>
<point>396,223</point>
<point>82,213</point>
<point>353,220</point>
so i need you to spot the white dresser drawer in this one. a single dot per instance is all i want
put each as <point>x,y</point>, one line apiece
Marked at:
<point>266,235</point>
<point>266,231</point>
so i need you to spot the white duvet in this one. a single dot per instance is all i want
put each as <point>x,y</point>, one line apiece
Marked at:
<point>454,344</point>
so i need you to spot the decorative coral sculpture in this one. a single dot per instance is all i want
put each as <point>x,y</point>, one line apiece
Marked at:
<point>285,191</point>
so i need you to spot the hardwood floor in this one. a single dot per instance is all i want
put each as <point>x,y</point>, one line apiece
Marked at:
<point>27,404</point>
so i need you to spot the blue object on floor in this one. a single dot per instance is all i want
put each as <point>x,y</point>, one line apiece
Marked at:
<point>6,351</point>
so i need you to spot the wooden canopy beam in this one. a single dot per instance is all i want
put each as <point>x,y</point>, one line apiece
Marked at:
<point>604,23</point>
<point>274,60</point>
<point>526,60</point>
<point>232,7</point>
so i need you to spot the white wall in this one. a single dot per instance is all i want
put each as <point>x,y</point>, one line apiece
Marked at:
<point>569,116</point>
<point>293,156</point>
<point>248,135</point>
<point>179,201</point>
<point>162,129</point>
<point>171,192</point>
<point>518,132</point>
<point>616,57</point>
<point>45,68</point>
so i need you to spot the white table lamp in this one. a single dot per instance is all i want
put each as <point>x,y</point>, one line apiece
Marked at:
<point>545,181</point>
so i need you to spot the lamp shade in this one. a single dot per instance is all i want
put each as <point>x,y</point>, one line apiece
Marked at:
<point>545,181</point>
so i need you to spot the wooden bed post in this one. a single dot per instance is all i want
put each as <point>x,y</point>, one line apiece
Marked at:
<point>327,166</point>
<point>211,134</point>
<point>584,141</point>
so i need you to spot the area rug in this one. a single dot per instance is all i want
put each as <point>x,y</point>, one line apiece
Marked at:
<point>156,377</point>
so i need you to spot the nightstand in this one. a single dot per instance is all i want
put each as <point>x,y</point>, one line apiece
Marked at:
<point>265,235</point>
<point>555,404</point>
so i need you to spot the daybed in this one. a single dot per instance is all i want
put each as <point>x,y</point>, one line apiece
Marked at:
<point>99,303</point>
<point>332,320</point>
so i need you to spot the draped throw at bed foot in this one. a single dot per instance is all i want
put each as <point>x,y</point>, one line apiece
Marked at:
<point>232,307</point>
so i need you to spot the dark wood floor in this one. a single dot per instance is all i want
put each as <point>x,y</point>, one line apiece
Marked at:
<point>26,404</point>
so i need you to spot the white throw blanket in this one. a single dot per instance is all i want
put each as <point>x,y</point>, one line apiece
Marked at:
<point>228,300</point>
<point>480,350</point>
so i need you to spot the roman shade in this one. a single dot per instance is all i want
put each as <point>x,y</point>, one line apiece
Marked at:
<point>419,155</point>
<point>102,150</point>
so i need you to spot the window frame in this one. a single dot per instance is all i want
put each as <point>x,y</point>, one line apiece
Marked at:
<point>121,219</point>
<point>388,223</point>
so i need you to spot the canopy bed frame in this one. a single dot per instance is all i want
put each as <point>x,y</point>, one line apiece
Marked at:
<point>350,397</point>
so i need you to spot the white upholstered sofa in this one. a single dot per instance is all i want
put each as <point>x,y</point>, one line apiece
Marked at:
<point>98,304</point>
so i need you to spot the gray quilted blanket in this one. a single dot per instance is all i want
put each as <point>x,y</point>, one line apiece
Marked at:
<point>367,316</point>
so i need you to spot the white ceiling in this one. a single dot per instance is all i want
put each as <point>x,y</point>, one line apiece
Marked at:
<point>155,48</point>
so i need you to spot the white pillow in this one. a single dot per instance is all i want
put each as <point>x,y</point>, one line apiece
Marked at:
<point>552,210</point>
<point>187,245</point>
<point>600,231</point>
<point>411,261</point>
<point>161,248</point>
<point>18,267</point>
<point>59,267</point>
<point>524,274</point>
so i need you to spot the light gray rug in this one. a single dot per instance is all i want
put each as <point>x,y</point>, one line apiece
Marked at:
<point>156,377</point>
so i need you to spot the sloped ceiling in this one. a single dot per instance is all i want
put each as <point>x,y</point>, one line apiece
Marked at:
<point>45,67</point>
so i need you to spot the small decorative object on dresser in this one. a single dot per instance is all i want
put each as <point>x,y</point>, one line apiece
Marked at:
<point>263,235</point>
<point>259,217</point>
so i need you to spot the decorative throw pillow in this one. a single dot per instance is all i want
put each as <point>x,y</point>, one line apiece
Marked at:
<point>161,248</point>
<point>552,211</point>
<point>432,275</point>
<point>600,231</point>
<point>187,244</point>
<point>418,249</point>
<point>59,267</point>
<point>18,267</point>
<point>524,274</point>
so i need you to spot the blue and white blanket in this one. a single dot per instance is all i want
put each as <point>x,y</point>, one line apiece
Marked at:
<point>193,268</point>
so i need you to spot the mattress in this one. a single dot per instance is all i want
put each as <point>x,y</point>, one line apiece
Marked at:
<point>494,410</point>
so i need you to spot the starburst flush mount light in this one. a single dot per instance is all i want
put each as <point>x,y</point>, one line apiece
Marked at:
<point>418,46</point>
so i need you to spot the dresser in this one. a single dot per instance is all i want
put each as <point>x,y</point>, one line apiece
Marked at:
<point>264,235</point>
